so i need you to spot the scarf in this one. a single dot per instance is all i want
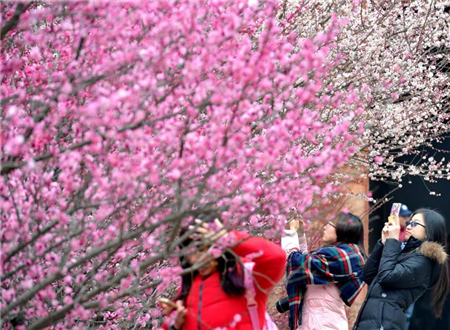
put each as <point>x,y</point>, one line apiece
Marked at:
<point>340,265</point>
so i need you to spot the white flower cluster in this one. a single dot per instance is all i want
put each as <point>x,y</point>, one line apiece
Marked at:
<point>395,55</point>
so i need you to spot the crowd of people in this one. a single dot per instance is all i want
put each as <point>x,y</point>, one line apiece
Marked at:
<point>407,275</point>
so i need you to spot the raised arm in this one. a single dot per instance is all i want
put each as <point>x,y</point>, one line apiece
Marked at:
<point>290,242</point>
<point>270,260</point>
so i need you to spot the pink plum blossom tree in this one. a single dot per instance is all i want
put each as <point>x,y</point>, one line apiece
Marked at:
<point>122,121</point>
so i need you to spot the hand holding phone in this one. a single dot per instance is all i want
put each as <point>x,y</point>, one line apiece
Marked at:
<point>395,212</point>
<point>391,228</point>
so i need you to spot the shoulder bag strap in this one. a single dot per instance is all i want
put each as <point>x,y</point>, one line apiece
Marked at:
<point>250,295</point>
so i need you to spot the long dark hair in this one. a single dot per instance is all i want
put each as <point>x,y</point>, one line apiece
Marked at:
<point>436,232</point>
<point>349,230</point>
<point>231,274</point>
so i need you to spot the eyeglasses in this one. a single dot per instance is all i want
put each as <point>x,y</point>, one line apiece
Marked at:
<point>330,224</point>
<point>414,224</point>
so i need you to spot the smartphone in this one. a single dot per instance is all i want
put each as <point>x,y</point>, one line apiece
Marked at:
<point>395,211</point>
<point>167,302</point>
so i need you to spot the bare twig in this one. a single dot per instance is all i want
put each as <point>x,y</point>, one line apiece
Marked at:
<point>12,23</point>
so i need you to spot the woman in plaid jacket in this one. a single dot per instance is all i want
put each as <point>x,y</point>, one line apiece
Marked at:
<point>320,284</point>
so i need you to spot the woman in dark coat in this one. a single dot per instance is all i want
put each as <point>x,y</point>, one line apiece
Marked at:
<point>399,273</point>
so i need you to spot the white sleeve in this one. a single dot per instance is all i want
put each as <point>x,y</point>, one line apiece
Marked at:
<point>290,242</point>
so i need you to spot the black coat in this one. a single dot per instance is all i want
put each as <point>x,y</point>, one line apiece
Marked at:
<point>397,278</point>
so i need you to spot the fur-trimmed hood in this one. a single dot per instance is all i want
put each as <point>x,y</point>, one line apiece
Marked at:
<point>434,251</point>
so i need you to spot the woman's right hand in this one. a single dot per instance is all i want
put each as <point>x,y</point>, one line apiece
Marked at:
<point>211,234</point>
<point>296,224</point>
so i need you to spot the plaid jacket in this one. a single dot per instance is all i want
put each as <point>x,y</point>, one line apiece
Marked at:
<point>340,265</point>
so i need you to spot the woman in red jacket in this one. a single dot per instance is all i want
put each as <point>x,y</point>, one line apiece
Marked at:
<point>214,296</point>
